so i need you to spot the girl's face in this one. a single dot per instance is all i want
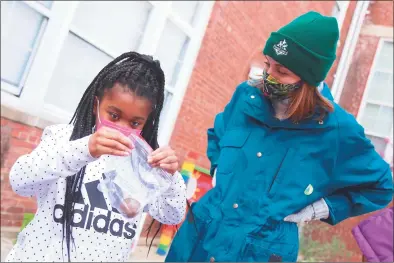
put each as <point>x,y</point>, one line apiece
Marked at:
<point>279,72</point>
<point>120,106</point>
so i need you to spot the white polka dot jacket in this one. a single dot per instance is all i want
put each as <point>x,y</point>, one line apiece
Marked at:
<point>100,232</point>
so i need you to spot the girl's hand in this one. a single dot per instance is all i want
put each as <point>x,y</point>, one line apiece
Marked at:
<point>164,158</point>
<point>109,141</point>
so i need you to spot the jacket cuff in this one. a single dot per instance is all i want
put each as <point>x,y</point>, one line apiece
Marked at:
<point>320,209</point>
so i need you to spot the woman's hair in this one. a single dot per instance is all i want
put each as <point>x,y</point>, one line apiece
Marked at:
<point>141,75</point>
<point>305,102</point>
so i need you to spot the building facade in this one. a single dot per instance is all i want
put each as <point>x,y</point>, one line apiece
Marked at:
<point>52,50</point>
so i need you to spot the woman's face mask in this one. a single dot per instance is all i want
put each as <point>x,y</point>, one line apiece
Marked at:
<point>275,90</point>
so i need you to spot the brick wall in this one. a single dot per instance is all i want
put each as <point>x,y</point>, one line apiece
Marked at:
<point>381,13</point>
<point>23,139</point>
<point>358,73</point>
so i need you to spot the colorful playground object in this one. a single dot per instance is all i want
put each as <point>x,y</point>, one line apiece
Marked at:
<point>198,182</point>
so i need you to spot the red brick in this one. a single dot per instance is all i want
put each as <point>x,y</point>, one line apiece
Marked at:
<point>15,210</point>
<point>23,135</point>
<point>7,203</point>
<point>4,121</point>
<point>33,139</point>
<point>381,13</point>
<point>21,144</point>
<point>357,77</point>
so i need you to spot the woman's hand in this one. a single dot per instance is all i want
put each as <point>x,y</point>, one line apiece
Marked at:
<point>109,141</point>
<point>316,211</point>
<point>164,158</point>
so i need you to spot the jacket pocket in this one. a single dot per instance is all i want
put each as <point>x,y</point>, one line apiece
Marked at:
<point>231,152</point>
<point>258,250</point>
<point>186,245</point>
<point>287,167</point>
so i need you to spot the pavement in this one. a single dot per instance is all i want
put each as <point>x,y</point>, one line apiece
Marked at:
<point>139,255</point>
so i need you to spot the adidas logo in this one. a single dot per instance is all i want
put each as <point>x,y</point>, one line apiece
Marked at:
<point>101,223</point>
<point>281,48</point>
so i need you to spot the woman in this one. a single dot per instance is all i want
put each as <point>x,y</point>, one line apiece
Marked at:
<point>280,147</point>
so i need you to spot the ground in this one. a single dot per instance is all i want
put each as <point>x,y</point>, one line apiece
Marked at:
<point>139,255</point>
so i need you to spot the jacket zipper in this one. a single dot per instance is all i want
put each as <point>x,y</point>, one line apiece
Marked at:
<point>276,174</point>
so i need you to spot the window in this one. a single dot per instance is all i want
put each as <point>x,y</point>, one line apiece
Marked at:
<point>91,44</point>
<point>22,26</point>
<point>116,26</point>
<point>376,111</point>
<point>171,51</point>
<point>57,47</point>
<point>78,64</point>
<point>339,11</point>
<point>187,10</point>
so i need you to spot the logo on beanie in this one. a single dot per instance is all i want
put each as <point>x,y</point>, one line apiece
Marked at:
<point>281,48</point>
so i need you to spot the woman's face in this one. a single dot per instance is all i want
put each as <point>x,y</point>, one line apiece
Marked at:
<point>279,72</point>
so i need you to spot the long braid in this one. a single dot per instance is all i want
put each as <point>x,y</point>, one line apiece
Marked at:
<point>140,74</point>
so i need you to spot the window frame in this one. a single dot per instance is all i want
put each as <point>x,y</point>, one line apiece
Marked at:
<point>46,14</point>
<point>365,100</point>
<point>343,6</point>
<point>59,25</point>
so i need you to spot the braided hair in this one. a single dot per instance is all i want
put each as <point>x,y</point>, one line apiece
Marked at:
<point>141,75</point>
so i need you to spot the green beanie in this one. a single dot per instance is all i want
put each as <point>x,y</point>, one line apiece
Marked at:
<point>306,46</point>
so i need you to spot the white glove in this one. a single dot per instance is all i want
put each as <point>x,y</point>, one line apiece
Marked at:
<point>316,211</point>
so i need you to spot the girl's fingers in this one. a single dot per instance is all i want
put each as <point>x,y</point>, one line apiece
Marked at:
<point>169,160</point>
<point>160,156</point>
<point>159,150</point>
<point>113,144</point>
<point>171,168</point>
<point>111,151</point>
<point>116,136</point>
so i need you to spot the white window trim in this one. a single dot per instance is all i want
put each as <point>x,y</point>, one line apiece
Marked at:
<point>350,46</point>
<point>17,90</point>
<point>364,99</point>
<point>343,6</point>
<point>31,100</point>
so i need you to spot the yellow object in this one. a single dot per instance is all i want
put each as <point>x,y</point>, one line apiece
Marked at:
<point>308,190</point>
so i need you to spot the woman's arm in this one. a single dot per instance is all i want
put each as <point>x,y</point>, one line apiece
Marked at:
<point>170,207</point>
<point>53,158</point>
<point>363,179</point>
<point>220,124</point>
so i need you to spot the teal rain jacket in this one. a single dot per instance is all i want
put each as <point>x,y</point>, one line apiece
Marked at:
<point>268,169</point>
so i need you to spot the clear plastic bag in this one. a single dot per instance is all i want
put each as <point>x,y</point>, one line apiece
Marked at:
<point>130,182</point>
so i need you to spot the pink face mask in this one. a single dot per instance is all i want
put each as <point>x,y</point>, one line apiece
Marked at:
<point>125,131</point>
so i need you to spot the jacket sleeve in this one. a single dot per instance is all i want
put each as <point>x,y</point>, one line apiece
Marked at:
<point>170,207</point>
<point>363,180</point>
<point>220,124</point>
<point>53,158</point>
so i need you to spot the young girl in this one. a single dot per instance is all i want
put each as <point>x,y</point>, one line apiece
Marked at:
<point>74,220</point>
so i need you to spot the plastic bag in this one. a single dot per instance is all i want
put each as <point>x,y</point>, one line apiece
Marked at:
<point>130,182</point>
